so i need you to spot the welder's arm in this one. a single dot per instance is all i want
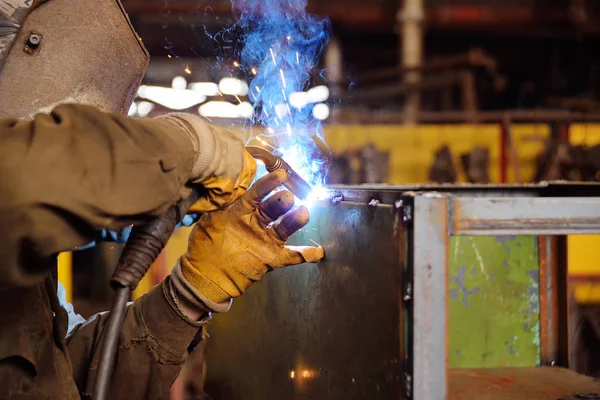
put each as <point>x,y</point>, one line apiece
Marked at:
<point>68,175</point>
<point>153,347</point>
<point>228,251</point>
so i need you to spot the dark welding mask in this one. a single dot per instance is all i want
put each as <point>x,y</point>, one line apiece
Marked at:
<point>67,51</point>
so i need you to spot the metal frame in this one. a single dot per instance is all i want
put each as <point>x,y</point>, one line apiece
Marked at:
<point>435,217</point>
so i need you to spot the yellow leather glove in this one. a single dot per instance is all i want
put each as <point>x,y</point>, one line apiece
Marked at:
<point>222,165</point>
<point>231,249</point>
<point>225,189</point>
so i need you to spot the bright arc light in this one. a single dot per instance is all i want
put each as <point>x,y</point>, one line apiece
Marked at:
<point>321,111</point>
<point>205,88</point>
<point>318,94</point>
<point>132,110</point>
<point>245,110</point>
<point>317,193</point>
<point>179,82</point>
<point>144,108</point>
<point>298,100</point>
<point>233,86</point>
<point>281,110</point>
<point>224,109</point>
<point>175,99</point>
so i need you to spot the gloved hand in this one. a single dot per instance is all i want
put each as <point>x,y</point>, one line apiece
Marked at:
<point>231,249</point>
<point>226,185</point>
<point>222,165</point>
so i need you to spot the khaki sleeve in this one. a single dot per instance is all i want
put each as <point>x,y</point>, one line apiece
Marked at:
<point>67,175</point>
<point>152,349</point>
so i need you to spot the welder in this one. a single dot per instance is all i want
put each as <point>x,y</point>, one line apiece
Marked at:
<point>70,174</point>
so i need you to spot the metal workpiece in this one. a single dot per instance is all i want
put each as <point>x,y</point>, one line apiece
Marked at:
<point>319,331</point>
<point>429,242</point>
<point>526,216</point>
<point>554,302</point>
<point>425,292</point>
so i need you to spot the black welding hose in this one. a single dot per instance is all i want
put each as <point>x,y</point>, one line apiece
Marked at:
<point>110,340</point>
<point>143,247</point>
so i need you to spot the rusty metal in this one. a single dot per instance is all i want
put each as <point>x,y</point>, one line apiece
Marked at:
<point>543,383</point>
<point>554,312</point>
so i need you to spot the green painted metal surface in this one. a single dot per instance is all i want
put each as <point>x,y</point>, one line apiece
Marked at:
<point>494,302</point>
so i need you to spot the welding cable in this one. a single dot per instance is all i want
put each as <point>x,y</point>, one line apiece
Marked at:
<point>143,247</point>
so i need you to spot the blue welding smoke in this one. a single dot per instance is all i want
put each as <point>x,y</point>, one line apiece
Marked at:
<point>282,44</point>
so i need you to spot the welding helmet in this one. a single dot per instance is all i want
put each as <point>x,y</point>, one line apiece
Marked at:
<point>67,51</point>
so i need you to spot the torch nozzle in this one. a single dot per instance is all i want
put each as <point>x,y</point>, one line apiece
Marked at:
<point>294,182</point>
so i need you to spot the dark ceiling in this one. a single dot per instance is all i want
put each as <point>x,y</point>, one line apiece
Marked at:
<point>544,41</point>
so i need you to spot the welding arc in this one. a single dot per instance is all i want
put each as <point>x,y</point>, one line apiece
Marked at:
<point>294,182</point>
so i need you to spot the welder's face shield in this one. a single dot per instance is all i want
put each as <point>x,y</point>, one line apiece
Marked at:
<point>71,51</point>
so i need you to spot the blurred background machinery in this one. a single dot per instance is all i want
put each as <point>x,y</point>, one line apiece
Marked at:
<point>409,92</point>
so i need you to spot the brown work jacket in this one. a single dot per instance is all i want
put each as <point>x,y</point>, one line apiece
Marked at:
<point>64,177</point>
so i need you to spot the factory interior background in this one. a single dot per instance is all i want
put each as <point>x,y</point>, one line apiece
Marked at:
<point>406,92</point>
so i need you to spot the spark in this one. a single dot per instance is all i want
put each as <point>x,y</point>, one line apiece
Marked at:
<point>288,108</point>
<point>292,374</point>
<point>273,56</point>
<point>236,64</point>
<point>254,72</point>
<point>266,113</point>
<point>288,37</point>
<point>170,56</point>
<point>271,130</point>
<point>284,96</point>
<point>282,77</point>
<point>289,129</point>
<point>297,58</point>
<point>188,70</point>
<point>257,89</point>
<point>238,99</point>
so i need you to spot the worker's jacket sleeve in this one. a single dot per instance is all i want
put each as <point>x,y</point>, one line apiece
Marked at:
<point>151,351</point>
<point>70,174</point>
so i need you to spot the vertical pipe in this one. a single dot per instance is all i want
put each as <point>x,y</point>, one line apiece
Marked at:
<point>431,229</point>
<point>334,67</point>
<point>410,19</point>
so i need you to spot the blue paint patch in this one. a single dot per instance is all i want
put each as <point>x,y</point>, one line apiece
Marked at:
<point>454,294</point>
<point>459,279</point>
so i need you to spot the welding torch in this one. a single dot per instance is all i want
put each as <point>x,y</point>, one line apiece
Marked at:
<point>294,182</point>
<point>143,247</point>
